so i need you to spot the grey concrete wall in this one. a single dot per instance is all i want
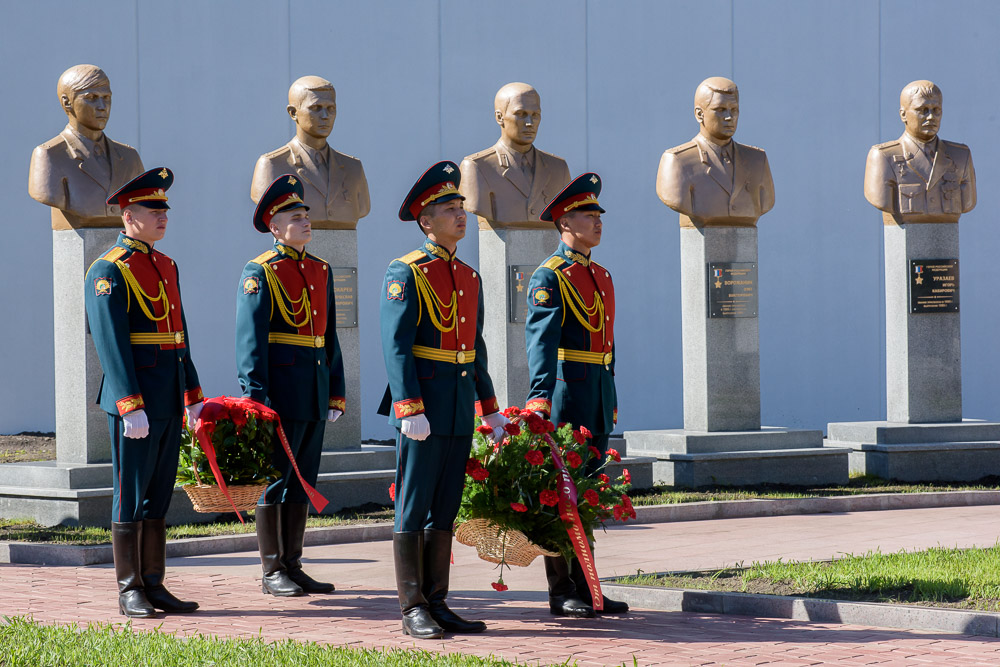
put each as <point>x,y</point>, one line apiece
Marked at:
<point>201,86</point>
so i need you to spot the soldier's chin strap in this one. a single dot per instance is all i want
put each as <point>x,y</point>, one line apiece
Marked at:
<point>239,410</point>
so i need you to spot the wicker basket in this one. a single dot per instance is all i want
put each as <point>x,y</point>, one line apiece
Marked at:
<point>208,498</point>
<point>495,544</point>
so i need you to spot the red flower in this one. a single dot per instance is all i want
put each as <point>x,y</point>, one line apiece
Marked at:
<point>580,440</point>
<point>613,453</point>
<point>472,465</point>
<point>518,507</point>
<point>591,497</point>
<point>561,424</point>
<point>626,476</point>
<point>535,457</point>
<point>594,452</point>
<point>512,429</point>
<point>586,432</point>
<point>605,481</point>
<point>618,512</point>
<point>392,492</point>
<point>479,474</point>
<point>574,460</point>
<point>512,411</point>
<point>548,497</point>
<point>536,424</point>
<point>499,585</point>
<point>484,429</point>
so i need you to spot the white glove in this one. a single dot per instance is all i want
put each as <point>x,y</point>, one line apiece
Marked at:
<point>496,421</point>
<point>333,415</point>
<point>136,424</point>
<point>193,412</point>
<point>416,427</point>
<point>540,414</point>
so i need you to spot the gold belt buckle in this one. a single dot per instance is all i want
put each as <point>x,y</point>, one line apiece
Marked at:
<point>319,341</point>
<point>178,337</point>
<point>460,357</point>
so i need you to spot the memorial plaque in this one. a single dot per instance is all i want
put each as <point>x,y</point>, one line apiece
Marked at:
<point>517,290</point>
<point>345,295</point>
<point>732,289</point>
<point>933,285</point>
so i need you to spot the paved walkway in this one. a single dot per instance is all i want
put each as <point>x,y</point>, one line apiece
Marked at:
<point>364,611</point>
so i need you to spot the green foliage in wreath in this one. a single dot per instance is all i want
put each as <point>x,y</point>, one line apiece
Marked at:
<point>244,454</point>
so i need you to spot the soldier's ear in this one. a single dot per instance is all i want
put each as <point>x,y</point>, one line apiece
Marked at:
<point>699,114</point>
<point>499,117</point>
<point>67,105</point>
<point>291,111</point>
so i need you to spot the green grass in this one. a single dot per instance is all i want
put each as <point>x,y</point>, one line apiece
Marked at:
<point>965,578</point>
<point>24,643</point>
<point>17,530</point>
<point>858,485</point>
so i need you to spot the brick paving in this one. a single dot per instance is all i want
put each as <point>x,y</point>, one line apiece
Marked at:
<point>364,610</point>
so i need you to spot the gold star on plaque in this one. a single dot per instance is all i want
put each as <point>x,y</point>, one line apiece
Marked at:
<point>448,169</point>
<point>593,179</point>
<point>718,284</point>
<point>919,280</point>
<point>520,287</point>
<point>291,180</point>
<point>163,174</point>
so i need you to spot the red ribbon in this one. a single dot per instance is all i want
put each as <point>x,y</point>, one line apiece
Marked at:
<point>578,536</point>
<point>237,410</point>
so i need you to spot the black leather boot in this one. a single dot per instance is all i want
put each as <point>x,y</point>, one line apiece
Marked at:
<point>437,565</point>
<point>408,557</point>
<point>154,546</point>
<point>132,600</point>
<point>563,597</point>
<point>580,581</point>
<point>275,580</point>
<point>293,535</point>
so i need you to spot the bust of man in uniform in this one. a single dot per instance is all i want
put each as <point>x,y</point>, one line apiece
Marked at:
<point>920,177</point>
<point>336,190</point>
<point>76,170</point>
<point>712,180</point>
<point>510,183</point>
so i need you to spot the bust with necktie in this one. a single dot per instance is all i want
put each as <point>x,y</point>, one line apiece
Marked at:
<point>76,170</point>
<point>333,184</point>
<point>712,180</point>
<point>920,177</point>
<point>511,182</point>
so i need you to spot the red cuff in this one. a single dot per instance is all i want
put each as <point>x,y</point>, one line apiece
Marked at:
<point>338,403</point>
<point>408,408</point>
<point>192,396</point>
<point>487,407</point>
<point>539,405</point>
<point>130,404</point>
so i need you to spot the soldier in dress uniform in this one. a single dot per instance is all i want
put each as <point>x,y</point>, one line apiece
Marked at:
<point>288,357</point>
<point>432,339</point>
<point>134,309</point>
<point>921,177</point>
<point>571,354</point>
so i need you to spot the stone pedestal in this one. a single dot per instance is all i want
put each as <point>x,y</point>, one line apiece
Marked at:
<point>924,437</point>
<point>339,247</point>
<point>499,250</point>
<point>923,351</point>
<point>722,442</point>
